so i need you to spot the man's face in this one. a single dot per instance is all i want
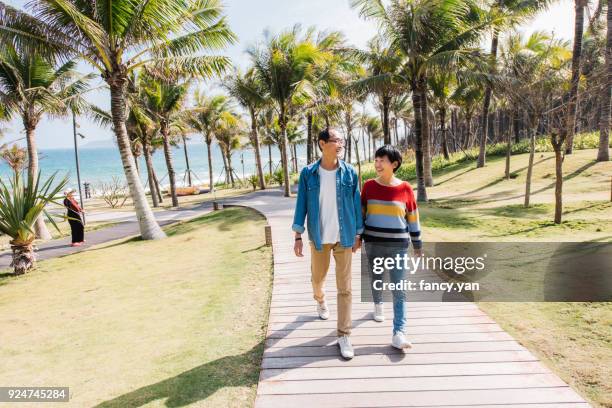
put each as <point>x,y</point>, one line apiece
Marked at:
<point>334,146</point>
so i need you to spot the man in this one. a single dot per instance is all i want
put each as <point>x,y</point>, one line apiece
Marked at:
<point>328,195</point>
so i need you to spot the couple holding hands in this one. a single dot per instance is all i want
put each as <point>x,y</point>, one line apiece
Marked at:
<point>339,216</point>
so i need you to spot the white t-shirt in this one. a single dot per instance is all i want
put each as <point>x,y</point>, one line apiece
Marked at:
<point>328,207</point>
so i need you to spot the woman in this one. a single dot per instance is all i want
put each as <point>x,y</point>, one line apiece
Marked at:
<point>75,219</point>
<point>391,223</point>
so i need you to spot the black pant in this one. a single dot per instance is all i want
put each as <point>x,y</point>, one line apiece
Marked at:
<point>78,231</point>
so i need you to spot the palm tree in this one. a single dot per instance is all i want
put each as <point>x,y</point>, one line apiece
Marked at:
<point>514,11</point>
<point>20,207</point>
<point>570,124</point>
<point>204,118</point>
<point>374,131</point>
<point>383,78</point>
<point>603,154</point>
<point>164,104</point>
<point>142,130</point>
<point>467,96</point>
<point>248,90</point>
<point>429,34</point>
<point>441,85</point>
<point>116,39</point>
<point>533,73</point>
<point>228,131</point>
<point>31,87</point>
<point>285,66</point>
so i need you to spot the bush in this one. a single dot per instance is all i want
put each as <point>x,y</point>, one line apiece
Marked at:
<point>253,181</point>
<point>278,177</point>
<point>268,178</point>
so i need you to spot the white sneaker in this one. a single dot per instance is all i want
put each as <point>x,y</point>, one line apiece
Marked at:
<point>400,341</point>
<point>346,348</point>
<point>379,312</point>
<point>323,310</point>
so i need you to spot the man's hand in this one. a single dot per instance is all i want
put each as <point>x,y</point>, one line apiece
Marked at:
<point>418,252</point>
<point>357,243</point>
<point>298,247</point>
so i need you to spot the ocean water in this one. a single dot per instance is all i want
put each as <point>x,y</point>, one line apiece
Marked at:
<point>102,164</point>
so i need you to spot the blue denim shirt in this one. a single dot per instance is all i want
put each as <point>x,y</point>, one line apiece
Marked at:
<point>349,204</point>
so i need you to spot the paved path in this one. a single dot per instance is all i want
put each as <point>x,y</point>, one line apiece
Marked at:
<point>460,356</point>
<point>126,226</point>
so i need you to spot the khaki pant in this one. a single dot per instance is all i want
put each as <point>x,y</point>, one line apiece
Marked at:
<point>319,267</point>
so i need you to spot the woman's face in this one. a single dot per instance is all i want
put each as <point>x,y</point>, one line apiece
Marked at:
<point>69,196</point>
<point>383,166</point>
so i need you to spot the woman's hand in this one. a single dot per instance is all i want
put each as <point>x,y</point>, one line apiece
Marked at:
<point>418,252</point>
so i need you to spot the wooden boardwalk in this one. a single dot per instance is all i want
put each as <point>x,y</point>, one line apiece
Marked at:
<point>460,356</point>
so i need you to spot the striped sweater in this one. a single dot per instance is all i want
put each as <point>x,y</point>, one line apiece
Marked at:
<point>391,213</point>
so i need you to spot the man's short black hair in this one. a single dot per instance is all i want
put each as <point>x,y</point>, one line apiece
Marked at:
<point>324,136</point>
<point>392,154</point>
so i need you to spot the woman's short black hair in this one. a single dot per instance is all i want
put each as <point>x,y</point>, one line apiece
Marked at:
<point>391,153</point>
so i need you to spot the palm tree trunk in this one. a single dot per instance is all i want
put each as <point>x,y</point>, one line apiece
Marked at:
<point>230,169</point>
<point>283,125</point>
<point>169,165</point>
<point>157,188</point>
<point>40,228</point>
<point>487,102</point>
<point>572,102</point>
<point>270,158</point>
<point>358,162</point>
<point>224,157</point>
<point>558,184</point>
<point>255,137</point>
<point>363,143</point>
<point>23,258</point>
<point>385,116</point>
<point>530,166</point>
<point>418,145</point>
<point>443,131</point>
<point>211,178</point>
<point>425,136</point>
<point>309,143</point>
<point>349,131</point>
<point>603,154</point>
<point>149,228</point>
<point>136,163</point>
<point>373,151</point>
<point>146,151</point>
<point>508,154</point>
<point>187,161</point>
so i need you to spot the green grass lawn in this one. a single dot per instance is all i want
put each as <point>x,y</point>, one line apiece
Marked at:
<point>173,322</point>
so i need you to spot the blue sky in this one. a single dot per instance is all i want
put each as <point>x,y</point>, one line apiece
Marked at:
<point>249,19</point>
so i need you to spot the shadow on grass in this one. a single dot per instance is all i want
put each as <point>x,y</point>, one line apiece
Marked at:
<point>199,383</point>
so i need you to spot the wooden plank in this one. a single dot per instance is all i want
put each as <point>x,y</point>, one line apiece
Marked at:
<point>398,359</point>
<point>358,315</point>
<point>384,339</point>
<point>369,322</point>
<point>423,398</point>
<point>395,384</point>
<point>373,331</point>
<point>391,371</point>
<point>474,347</point>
